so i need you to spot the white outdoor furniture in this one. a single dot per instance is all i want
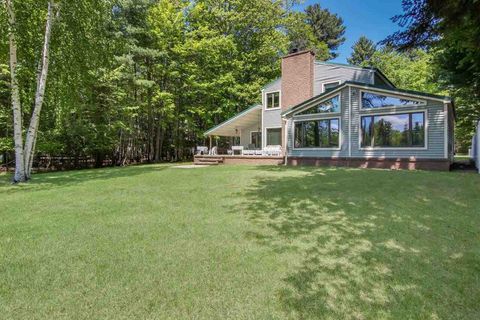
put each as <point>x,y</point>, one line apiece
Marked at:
<point>213,151</point>
<point>202,150</point>
<point>239,150</point>
<point>275,150</point>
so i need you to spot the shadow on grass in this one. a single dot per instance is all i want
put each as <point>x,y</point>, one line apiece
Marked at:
<point>73,177</point>
<point>365,244</point>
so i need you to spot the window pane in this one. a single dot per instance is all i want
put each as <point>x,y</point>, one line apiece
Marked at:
<point>372,101</point>
<point>334,133</point>
<point>324,132</point>
<point>367,131</point>
<point>274,137</point>
<point>298,143</point>
<point>400,130</point>
<point>317,134</point>
<point>331,105</point>
<point>330,86</point>
<point>418,130</point>
<point>391,130</point>
<point>273,100</point>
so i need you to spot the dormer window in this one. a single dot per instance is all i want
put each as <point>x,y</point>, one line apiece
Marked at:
<point>330,86</point>
<point>273,100</point>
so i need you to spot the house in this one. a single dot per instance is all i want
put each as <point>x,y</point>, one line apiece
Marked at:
<point>323,113</point>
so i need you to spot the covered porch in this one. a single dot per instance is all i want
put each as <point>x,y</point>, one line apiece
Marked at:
<point>245,137</point>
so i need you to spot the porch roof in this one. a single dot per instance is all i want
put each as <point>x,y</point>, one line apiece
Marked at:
<point>245,119</point>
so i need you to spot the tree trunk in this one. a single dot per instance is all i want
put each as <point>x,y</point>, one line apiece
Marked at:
<point>31,137</point>
<point>16,104</point>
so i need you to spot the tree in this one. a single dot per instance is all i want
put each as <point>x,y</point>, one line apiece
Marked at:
<point>411,70</point>
<point>363,50</point>
<point>302,37</point>
<point>452,28</point>
<point>327,27</point>
<point>24,151</point>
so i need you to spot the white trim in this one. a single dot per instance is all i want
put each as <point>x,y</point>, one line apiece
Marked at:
<point>350,122</point>
<point>340,136</point>
<point>445,129</point>
<point>276,127</point>
<point>360,135</point>
<point>338,82</point>
<point>327,97</point>
<point>279,100</point>
<point>263,111</point>
<point>422,102</point>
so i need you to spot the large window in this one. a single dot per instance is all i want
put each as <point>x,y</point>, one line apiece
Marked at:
<point>317,134</point>
<point>329,106</point>
<point>274,136</point>
<point>394,131</point>
<point>256,139</point>
<point>273,100</point>
<point>373,101</point>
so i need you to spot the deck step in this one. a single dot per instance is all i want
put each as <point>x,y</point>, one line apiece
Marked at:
<point>207,161</point>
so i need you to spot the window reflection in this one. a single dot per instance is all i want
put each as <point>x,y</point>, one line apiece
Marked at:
<point>329,106</point>
<point>400,130</point>
<point>372,101</point>
<point>317,134</point>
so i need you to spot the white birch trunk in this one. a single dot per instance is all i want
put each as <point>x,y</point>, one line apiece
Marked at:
<point>16,104</point>
<point>31,137</point>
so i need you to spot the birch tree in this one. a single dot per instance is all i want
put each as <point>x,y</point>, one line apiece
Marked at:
<point>24,151</point>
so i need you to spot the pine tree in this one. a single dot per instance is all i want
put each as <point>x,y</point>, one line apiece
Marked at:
<point>327,27</point>
<point>363,50</point>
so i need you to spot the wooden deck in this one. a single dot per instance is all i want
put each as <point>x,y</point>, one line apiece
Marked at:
<point>238,159</point>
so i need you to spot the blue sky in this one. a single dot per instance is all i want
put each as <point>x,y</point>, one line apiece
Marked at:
<point>361,17</point>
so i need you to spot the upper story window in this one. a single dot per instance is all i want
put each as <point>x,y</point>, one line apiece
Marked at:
<point>273,100</point>
<point>331,105</point>
<point>330,86</point>
<point>372,101</point>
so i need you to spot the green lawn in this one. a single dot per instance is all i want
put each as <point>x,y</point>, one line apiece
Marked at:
<point>239,242</point>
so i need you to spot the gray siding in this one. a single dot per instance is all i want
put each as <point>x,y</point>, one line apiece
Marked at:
<point>271,118</point>
<point>343,152</point>
<point>245,135</point>
<point>325,73</point>
<point>435,122</point>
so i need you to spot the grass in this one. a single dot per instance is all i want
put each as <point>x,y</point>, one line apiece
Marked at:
<point>238,242</point>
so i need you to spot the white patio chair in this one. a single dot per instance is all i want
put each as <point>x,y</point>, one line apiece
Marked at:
<point>273,150</point>
<point>237,148</point>
<point>201,150</point>
<point>213,151</point>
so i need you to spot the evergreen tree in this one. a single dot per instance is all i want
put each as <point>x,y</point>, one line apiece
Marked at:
<point>363,50</point>
<point>327,27</point>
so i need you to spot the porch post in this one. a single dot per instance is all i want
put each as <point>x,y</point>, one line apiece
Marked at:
<point>210,147</point>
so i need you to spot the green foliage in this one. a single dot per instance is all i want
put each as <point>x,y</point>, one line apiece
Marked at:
<point>452,28</point>
<point>363,51</point>
<point>413,70</point>
<point>327,27</point>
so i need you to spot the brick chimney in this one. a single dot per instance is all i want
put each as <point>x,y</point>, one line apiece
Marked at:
<point>297,78</point>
